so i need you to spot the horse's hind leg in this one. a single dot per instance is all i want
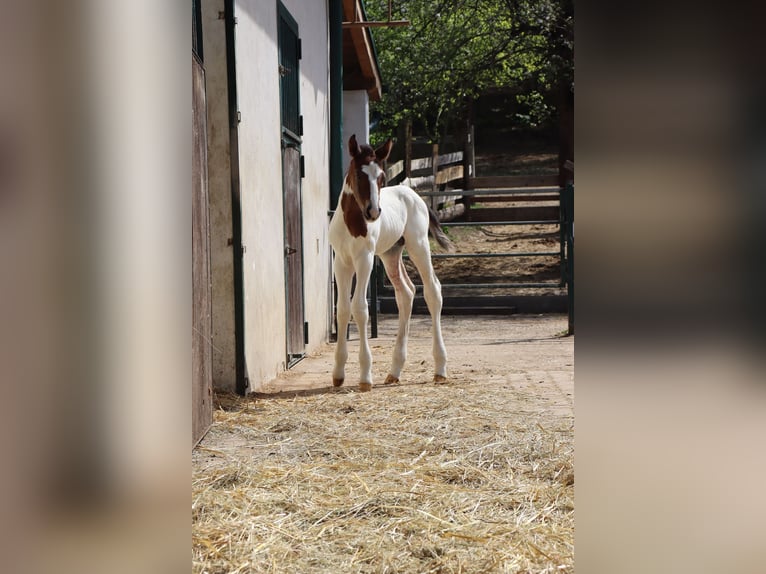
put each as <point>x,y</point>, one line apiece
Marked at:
<point>420,253</point>
<point>405,295</point>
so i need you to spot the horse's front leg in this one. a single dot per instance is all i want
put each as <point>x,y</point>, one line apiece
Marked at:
<point>344,273</point>
<point>363,265</point>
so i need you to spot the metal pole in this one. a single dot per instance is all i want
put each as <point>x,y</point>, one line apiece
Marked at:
<point>562,238</point>
<point>374,299</point>
<point>336,129</point>
<point>569,218</point>
<point>336,101</point>
<point>240,371</point>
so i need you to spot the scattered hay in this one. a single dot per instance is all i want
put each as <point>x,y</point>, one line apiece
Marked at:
<point>411,479</point>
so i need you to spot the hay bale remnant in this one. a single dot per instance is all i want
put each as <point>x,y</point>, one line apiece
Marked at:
<point>474,476</point>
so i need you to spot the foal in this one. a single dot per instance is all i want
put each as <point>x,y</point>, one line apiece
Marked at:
<point>374,220</point>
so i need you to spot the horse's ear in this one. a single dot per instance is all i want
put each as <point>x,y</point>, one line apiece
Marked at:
<point>383,151</point>
<point>353,147</point>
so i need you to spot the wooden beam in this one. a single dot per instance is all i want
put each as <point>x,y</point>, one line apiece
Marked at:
<point>376,24</point>
<point>448,158</point>
<point>449,174</point>
<point>395,169</point>
<point>510,198</point>
<point>451,212</point>
<point>363,47</point>
<point>444,159</point>
<point>514,181</point>
<point>516,214</point>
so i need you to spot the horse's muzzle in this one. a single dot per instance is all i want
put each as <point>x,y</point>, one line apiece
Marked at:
<point>371,214</point>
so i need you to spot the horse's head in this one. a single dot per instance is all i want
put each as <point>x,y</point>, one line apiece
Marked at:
<point>365,177</point>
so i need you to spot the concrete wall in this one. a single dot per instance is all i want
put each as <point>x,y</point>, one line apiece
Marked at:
<point>261,189</point>
<point>219,182</point>
<point>261,179</point>
<point>356,120</point>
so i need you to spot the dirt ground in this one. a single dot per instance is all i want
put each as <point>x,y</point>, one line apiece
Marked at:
<point>523,349</point>
<point>475,475</point>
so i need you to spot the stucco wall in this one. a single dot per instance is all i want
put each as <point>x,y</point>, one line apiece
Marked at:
<point>219,185</point>
<point>261,179</point>
<point>356,112</point>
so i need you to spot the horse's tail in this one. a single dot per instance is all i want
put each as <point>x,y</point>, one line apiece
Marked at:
<point>438,233</point>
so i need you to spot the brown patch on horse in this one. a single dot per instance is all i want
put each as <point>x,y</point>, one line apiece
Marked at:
<point>353,217</point>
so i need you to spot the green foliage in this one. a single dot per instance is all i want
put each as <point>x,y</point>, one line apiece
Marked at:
<point>455,50</point>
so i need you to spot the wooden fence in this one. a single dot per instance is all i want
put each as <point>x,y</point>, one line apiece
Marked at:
<point>428,175</point>
<point>517,189</point>
<point>454,171</point>
<point>449,184</point>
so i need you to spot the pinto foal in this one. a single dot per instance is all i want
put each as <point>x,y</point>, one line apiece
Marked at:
<point>373,220</point>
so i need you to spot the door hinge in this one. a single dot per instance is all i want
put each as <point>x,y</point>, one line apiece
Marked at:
<point>303,166</point>
<point>300,49</point>
<point>242,250</point>
<point>239,117</point>
<point>306,333</point>
<point>300,125</point>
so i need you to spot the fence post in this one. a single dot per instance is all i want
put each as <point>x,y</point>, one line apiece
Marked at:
<point>468,168</point>
<point>435,172</point>
<point>408,148</point>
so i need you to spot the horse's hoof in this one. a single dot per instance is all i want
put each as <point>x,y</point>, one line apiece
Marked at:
<point>365,387</point>
<point>439,379</point>
<point>337,382</point>
<point>391,380</point>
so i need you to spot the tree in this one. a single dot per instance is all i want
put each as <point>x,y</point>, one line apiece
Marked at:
<point>454,50</point>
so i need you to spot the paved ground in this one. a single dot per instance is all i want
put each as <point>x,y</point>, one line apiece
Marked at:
<point>532,352</point>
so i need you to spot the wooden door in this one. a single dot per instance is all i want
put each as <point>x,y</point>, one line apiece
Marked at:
<point>289,57</point>
<point>293,252</point>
